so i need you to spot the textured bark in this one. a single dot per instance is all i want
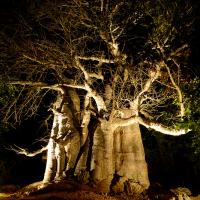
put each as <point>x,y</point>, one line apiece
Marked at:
<point>102,162</point>
<point>119,153</point>
<point>59,149</point>
<point>108,154</point>
<point>130,164</point>
<point>64,143</point>
<point>61,159</point>
<point>83,160</point>
<point>115,152</point>
<point>97,164</point>
<point>71,141</point>
<point>75,103</point>
<point>51,163</point>
<point>85,143</point>
<point>51,158</point>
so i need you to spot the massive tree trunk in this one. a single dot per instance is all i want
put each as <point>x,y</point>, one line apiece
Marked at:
<point>103,156</point>
<point>118,158</point>
<point>130,164</point>
<point>51,162</point>
<point>64,142</point>
<point>117,161</point>
<point>50,170</point>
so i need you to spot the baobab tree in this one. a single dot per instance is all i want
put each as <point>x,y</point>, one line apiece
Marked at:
<point>110,67</point>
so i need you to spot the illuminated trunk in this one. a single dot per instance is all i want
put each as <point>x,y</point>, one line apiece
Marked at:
<point>113,155</point>
<point>59,149</point>
<point>102,160</point>
<point>51,163</point>
<point>117,160</point>
<point>72,141</point>
<point>130,165</point>
<point>85,142</point>
<point>61,160</point>
<point>51,157</point>
<point>64,143</point>
<point>119,154</point>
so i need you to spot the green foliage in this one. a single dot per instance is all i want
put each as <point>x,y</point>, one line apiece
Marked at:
<point>191,91</point>
<point>7,93</point>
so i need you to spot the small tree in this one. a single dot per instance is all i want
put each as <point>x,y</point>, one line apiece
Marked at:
<point>110,66</point>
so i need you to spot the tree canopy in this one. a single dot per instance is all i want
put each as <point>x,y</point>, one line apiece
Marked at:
<point>117,50</point>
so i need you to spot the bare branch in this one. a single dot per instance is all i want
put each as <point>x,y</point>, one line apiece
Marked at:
<point>87,75</point>
<point>162,129</point>
<point>35,59</point>
<point>175,53</point>
<point>177,88</point>
<point>180,96</point>
<point>148,124</point>
<point>98,99</point>
<point>25,152</point>
<point>93,58</point>
<point>153,75</point>
<point>41,85</point>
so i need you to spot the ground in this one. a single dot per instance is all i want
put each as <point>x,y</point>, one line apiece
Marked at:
<point>59,191</point>
<point>70,190</point>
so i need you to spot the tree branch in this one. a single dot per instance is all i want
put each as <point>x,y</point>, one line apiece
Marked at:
<point>174,53</point>
<point>180,96</point>
<point>93,58</point>
<point>41,85</point>
<point>163,63</point>
<point>153,75</point>
<point>87,75</point>
<point>98,99</point>
<point>162,129</point>
<point>22,151</point>
<point>148,124</point>
<point>35,60</point>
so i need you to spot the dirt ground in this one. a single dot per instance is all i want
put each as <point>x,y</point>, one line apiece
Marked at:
<point>66,190</point>
<point>78,195</point>
<point>60,191</point>
<point>69,190</point>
